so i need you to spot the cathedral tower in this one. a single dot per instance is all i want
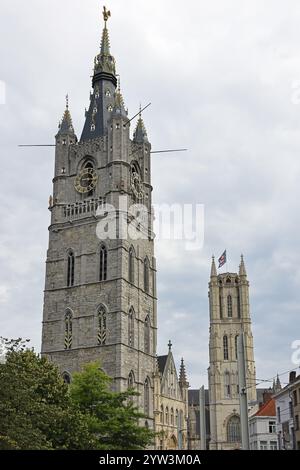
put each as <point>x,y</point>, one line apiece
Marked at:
<point>100,290</point>
<point>229,317</point>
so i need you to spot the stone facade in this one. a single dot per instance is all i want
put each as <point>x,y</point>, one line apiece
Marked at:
<point>229,316</point>
<point>170,404</point>
<point>100,291</point>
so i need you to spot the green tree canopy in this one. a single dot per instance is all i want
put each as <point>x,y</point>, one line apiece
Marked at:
<point>35,407</point>
<point>39,411</point>
<point>114,421</point>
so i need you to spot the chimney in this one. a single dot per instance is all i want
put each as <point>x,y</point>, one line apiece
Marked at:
<point>292,376</point>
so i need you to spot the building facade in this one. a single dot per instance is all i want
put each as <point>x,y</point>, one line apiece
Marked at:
<point>170,404</point>
<point>295,393</point>
<point>262,427</point>
<point>288,414</point>
<point>100,288</point>
<point>229,317</point>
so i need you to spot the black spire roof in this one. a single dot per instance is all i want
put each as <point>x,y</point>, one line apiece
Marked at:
<point>102,99</point>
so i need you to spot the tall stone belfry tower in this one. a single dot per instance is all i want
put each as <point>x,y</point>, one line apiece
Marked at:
<point>229,316</point>
<point>100,292</point>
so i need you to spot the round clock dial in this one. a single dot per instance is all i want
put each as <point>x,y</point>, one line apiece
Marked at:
<point>86,180</point>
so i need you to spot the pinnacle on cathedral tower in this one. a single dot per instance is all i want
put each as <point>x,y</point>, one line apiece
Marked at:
<point>66,124</point>
<point>119,108</point>
<point>182,373</point>
<point>213,271</point>
<point>278,384</point>
<point>242,270</point>
<point>140,133</point>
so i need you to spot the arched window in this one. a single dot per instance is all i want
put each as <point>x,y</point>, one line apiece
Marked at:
<point>147,335</point>
<point>102,325</point>
<point>229,306</point>
<point>146,275</point>
<point>131,319</point>
<point>162,414</point>
<point>172,416</point>
<point>234,429</point>
<point>225,347</point>
<point>103,264</point>
<point>131,265</point>
<point>68,330</point>
<point>176,418</point>
<point>88,165</point>
<point>147,397</point>
<point>131,380</point>
<point>235,346</point>
<point>227,384</point>
<point>70,269</point>
<point>167,415</point>
<point>66,378</point>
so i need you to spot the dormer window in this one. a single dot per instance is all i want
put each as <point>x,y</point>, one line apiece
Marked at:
<point>109,108</point>
<point>95,110</point>
<point>93,127</point>
<point>107,93</point>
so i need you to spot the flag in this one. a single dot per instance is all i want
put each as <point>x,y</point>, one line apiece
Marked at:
<point>222,260</point>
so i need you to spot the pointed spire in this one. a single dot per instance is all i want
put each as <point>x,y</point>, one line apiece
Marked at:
<point>278,384</point>
<point>242,270</point>
<point>102,99</point>
<point>182,373</point>
<point>105,62</point>
<point>213,271</point>
<point>105,46</point>
<point>119,107</point>
<point>66,124</point>
<point>140,133</point>
<point>170,345</point>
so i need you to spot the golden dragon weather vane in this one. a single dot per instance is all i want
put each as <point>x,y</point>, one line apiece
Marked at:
<point>106,14</point>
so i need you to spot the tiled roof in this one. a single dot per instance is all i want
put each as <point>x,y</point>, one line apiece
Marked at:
<point>268,409</point>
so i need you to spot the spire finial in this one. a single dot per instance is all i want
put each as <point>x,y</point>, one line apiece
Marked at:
<point>67,101</point>
<point>106,15</point>
<point>170,345</point>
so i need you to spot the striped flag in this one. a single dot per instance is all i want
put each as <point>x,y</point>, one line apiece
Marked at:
<point>222,260</point>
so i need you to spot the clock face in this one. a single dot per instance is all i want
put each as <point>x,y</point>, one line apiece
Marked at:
<point>86,180</point>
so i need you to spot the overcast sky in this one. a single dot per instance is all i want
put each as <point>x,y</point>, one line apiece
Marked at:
<point>222,79</point>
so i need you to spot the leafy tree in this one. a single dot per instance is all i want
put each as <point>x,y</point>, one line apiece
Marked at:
<point>39,411</point>
<point>113,419</point>
<point>35,407</point>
